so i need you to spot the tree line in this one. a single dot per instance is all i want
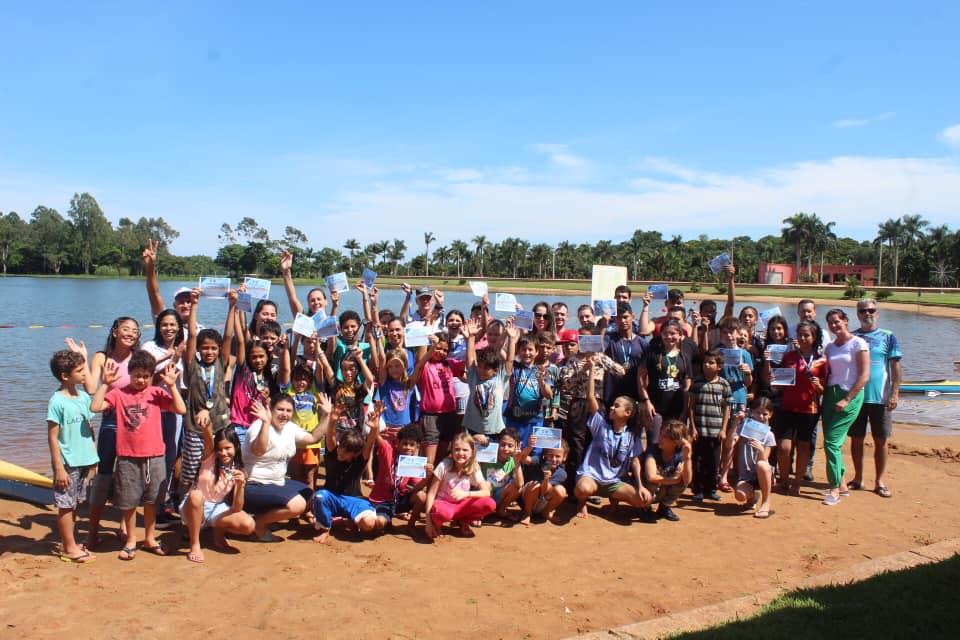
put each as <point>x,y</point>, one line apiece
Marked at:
<point>908,251</point>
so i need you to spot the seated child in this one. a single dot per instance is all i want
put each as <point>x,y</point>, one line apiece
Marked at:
<point>505,476</point>
<point>73,451</point>
<point>669,468</point>
<point>458,491</point>
<point>753,462</point>
<point>393,496</point>
<point>345,459</point>
<point>216,500</point>
<point>141,469</point>
<point>614,451</point>
<point>544,490</point>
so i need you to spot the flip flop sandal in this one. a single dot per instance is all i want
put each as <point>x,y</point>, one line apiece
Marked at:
<point>156,550</point>
<point>127,553</point>
<point>194,557</point>
<point>855,486</point>
<point>725,487</point>
<point>883,491</point>
<point>763,515</point>
<point>83,558</point>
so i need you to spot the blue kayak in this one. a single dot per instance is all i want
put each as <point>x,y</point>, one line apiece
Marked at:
<point>923,386</point>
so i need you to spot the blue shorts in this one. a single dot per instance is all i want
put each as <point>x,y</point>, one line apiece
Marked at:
<point>211,511</point>
<point>389,509</point>
<point>327,506</point>
<point>261,498</point>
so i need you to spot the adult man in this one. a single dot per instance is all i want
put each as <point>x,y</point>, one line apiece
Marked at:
<point>627,349</point>
<point>181,298</point>
<point>560,313</point>
<point>881,396</point>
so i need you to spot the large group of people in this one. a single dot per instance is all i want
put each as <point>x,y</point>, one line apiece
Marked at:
<point>256,426</point>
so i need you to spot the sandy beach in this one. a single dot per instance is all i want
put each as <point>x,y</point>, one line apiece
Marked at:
<point>544,582</point>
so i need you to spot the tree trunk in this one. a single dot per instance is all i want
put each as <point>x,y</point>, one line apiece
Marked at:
<point>896,264</point>
<point>798,263</point>
<point>880,267</point>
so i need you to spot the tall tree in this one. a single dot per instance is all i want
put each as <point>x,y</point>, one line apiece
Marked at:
<point>13,232</point>
<point>798,232</point>
<point>91,228</point>
<point>481,243</point>
<point>428,238</point>
<point>892,231</point>
<point>352,246</point>
<point>397,251</point>
<point>51,235</point>
<point>460,249</point>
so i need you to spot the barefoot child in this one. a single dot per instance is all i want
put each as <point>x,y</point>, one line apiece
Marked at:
<point>141,469</point>
<point>669,468</point>
<point>216,500</point>
<point>753,461</point>
<point>544,490</point>
<point>458,491</point>
<point>73,452</point>
<point>614,451</point>
<point>505,476</point>
<point>345,460</point>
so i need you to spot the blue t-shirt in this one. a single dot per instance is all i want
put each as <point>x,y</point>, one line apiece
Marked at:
<point>341,351</point>
<point>484,412</point>
<point>524,391</point>
<point>77,447</point>
<point>397,403</point>
<point>734,376</point>
<point>610,454</point>
<point>884,347</point>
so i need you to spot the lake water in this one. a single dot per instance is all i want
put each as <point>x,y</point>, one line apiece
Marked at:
<point>69,307</point>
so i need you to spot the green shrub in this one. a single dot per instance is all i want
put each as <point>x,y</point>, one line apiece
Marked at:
<point>882,294</point>
<point>853,291</point>
<point>720,287</point>
<point>811,278</point>
<point>111,271</point>
<point>462,282</point>
<point>695,287</point>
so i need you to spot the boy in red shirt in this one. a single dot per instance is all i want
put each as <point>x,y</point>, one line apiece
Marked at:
<point>140,473</point>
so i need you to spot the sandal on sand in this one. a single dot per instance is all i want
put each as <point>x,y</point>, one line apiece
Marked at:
<point>764,514</point>
<point>83,558</point>
<point>854,486</point>
<point>193,556</point>
<point>883,491</point>
<point>127,553</point>
<point>156,550</point>
<point>725,487</point>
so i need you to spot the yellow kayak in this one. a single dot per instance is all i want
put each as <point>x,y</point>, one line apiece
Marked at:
<point>23,484</point>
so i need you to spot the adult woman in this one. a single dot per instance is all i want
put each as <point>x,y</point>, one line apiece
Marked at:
<point>848,361</point>
<point>458,340</point>
<point>316,298</point>
<point>271,441</point>
<point>123,340</point>
<point>542,318</point>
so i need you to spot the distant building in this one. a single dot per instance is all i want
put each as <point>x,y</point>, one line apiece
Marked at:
<point>774,273</point>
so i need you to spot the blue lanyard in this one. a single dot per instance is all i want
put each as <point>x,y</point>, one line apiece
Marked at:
<point>209,381</point>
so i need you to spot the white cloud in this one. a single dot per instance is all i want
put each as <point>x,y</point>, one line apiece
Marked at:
<point>462,175</point>
<point>560,155</point>
<point>951,135</point>
<point>863,122</point>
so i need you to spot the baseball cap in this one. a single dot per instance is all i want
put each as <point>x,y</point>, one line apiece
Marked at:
<point>182,291</point>
<point>568,335</point>
<point>424,291</point>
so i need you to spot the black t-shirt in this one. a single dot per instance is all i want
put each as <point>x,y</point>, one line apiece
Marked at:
<point>629,353</point>
<point>343,478</point>
<point>666,379</point>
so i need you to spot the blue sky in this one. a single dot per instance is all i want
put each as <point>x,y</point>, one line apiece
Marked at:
<point>546,120</point>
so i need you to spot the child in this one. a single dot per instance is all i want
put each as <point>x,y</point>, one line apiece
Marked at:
<point>349,400</point>
<point>436,375</point>
<point>345,459</point>
<point>544,490</point>
<point>392,495</point>
<point>488,375</point>
<point>346,343</point>
<point>505,476</point>
<point>669,468</point>
<point>458,491</point>
<point>140,470</point>
<point>546,352</point>
<point>73,452</point>
<point>529,388</point>
<point>216,500</point>
<point>709,411</point>
<point>664,379</point>
<point>206,368</point>
<point>613,452</point>
<point>254,378</point>
<point>753,462</point>
<point>397,393</point>
<point>740,377</point>
<point>305,389</point>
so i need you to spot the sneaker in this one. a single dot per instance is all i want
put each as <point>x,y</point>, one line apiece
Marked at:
<point>713,495</point>
<point>667,513</point>
<point>831,500</point>
<point>595,500</point>
<point>647,515</point>
<point>697,497</point>
<point>808,476</point>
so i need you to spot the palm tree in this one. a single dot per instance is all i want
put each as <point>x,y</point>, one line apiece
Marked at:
<point>892,232</point>
<point>352,246</point>
<point>427,239</point>
<point>603,252</point>
<point>798,233</point>
<point>460,249</point>
<point>380,249</point>
<point>823,239</point>
<point>397,250</point>
<point>635,246</point>
<point>440,256</point>
<point>481,244</point>
<point>540,253</point>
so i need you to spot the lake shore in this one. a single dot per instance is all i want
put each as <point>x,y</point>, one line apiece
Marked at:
<point>470,587</point>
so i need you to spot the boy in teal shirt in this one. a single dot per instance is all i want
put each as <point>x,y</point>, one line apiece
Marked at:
<point>73,451</point>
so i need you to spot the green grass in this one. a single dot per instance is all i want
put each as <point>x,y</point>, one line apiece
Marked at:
<point>916,603</point>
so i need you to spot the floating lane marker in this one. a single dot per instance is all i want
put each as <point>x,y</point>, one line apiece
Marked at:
<point>95,326</point>
<point>36,326</point>
<point>6,326</point>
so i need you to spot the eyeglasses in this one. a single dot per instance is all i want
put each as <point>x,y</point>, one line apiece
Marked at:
<point>870,310</point>
<point>539,315</point>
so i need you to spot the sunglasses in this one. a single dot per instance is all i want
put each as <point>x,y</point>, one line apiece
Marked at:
<point>871,310</point>
<point>539,315</point>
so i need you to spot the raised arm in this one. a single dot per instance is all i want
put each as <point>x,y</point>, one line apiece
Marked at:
<point>150,271</point>
<point>110,374</point>
<point>646,326</point>
<point>325,427</point>
<point>373,422</point>
<point>229,328</point>
<point>90,380</point>
<point>514,335</point>
<point>286,266</point>
<point>169,376</point>
<point>423,354</point>
<point>262,442</point>
<point>284,374</point>
<point>730,271</point>
<point>191,351</point>
<point>592,405</point>
<point>405,308</point>
<point>322,366</point>
<point>473,330</point>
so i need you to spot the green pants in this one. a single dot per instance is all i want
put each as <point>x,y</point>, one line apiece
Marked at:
<point>835,427</point>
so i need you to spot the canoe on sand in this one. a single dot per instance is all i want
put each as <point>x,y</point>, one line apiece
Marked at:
<point>22,484</point>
